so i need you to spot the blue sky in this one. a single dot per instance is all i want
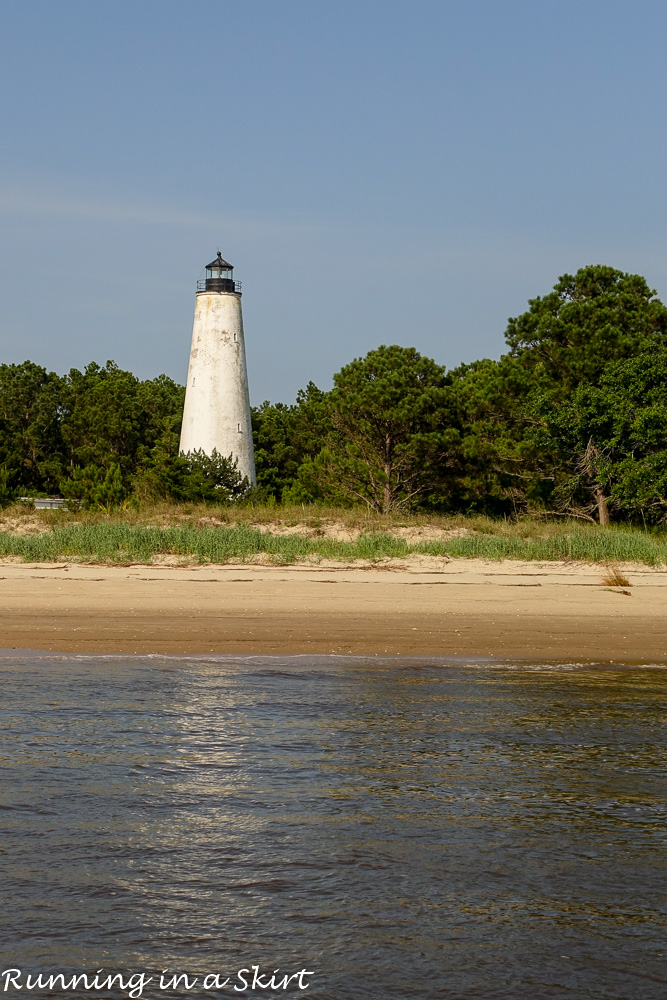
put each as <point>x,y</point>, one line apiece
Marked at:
<point>377,171</point>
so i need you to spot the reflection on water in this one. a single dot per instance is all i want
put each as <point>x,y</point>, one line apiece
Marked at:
<point>404,828</point>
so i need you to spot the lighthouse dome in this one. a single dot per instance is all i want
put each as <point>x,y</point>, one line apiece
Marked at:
<point>219,277</point>
<point>219,264</point>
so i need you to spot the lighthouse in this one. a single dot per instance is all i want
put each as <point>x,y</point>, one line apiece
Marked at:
<point>216,415</point>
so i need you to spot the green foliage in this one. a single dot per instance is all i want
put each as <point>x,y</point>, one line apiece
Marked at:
<point>110,417</point>
<point>565,342</point>
<point>105,418</point>
<point>594,317</point>
<point>30,429</point>
<point>622,426</point>
<point>285,439</point>
<point>311,486</point>
<point>504,453</point>
<point>8,491</point>
<point>93,487</point>
<point>394,431</point>
<point>194,478</point>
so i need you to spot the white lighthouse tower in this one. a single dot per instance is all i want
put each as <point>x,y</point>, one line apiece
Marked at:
<point>217,404</point>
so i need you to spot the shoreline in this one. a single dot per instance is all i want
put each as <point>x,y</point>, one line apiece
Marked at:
<point>449,608</point>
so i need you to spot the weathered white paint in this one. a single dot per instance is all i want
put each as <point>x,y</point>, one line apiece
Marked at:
<point>217,403</point>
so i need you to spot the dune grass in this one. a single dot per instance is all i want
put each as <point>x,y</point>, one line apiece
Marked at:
<point>580,544</point>
<point>118,541</point>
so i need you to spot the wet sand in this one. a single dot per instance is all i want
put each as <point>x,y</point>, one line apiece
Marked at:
<point>471,608</point>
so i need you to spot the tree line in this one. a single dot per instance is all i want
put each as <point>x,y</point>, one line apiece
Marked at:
<point>572,420</point>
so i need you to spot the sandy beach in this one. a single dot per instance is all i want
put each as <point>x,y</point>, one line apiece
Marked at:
<point>529,611</point>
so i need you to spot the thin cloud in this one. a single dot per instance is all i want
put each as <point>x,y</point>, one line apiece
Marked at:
<point>18,201</point>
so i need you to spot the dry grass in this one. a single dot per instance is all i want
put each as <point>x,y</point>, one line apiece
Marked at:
<point>614,577</point>
<point>312,520</point>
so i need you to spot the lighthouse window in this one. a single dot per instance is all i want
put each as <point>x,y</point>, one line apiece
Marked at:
<point>235,337</point>
<point>239,428</point>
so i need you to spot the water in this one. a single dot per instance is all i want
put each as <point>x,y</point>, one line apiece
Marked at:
<point>401,828</point>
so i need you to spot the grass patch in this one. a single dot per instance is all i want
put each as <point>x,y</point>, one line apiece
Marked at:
<point>613,577</point>
<point>123,543</point>
<point>594,545</point>
<point>119,540</point>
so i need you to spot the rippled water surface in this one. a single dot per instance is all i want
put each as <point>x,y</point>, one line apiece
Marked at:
<point>402,828</point>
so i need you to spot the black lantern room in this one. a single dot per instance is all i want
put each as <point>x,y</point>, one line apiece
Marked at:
<point>219,277</point>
